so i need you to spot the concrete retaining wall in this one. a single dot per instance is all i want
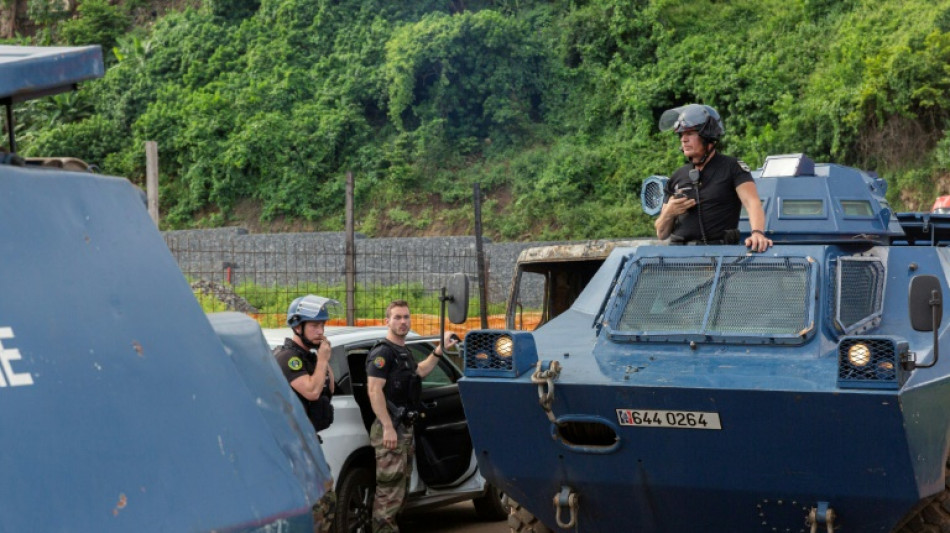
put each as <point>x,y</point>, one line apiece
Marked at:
<point>291,258</point>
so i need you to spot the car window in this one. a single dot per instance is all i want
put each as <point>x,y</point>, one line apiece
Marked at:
<point>341,374</point>
<point>439,377</point>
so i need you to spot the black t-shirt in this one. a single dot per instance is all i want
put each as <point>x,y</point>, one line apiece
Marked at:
<point>397,366</point>
<point>294,362</point>
<point>718,201</point>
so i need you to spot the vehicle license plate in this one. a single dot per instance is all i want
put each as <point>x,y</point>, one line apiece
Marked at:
<point>668,419</point>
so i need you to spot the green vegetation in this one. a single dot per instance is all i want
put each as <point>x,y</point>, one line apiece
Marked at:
<point>550,105</point>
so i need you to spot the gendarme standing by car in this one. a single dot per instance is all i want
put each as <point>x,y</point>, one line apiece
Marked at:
<point>311,377</point>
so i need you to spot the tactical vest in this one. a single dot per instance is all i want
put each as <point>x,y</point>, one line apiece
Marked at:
<point>319,411</point>
<point>403,386</point>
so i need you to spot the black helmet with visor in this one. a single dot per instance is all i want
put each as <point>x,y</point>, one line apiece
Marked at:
<point>701,118</point>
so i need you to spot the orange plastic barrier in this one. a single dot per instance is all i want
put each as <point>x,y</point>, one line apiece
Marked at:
<point>429,324</point>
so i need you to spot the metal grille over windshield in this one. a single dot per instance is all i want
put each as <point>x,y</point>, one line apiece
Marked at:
<point>763,299</point>
<point>669,296</point>
<point>860,292</point>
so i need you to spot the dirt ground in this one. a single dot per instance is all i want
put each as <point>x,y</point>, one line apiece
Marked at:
<point>458,518</point>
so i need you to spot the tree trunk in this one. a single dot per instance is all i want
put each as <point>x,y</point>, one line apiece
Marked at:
<point>8,19</point>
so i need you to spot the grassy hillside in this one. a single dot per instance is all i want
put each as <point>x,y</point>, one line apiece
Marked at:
<point>260,107</point>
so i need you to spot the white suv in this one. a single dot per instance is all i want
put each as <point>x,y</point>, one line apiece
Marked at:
<point>445,470</point>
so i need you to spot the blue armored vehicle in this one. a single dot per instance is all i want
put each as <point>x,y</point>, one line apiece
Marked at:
<point>707,388</point>
<point>123,406</point>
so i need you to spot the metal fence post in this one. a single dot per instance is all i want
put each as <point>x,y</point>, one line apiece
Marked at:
<point>151,179</point>
<point>480,258</point>
<point>350,254</point>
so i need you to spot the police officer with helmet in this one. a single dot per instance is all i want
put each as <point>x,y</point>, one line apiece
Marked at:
<point>394,385</point>
<point>310,376</point>
<point>704,197</point>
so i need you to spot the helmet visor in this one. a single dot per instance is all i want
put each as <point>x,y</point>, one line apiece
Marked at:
<point>687,117</point>
<point>310,308</point>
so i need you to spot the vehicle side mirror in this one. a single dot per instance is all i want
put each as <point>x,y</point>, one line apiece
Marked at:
<point>925,306</point>
<point>456,298</point>
<point>925,303</point>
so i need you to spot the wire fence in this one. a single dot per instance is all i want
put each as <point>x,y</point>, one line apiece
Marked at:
<point>261,274</point>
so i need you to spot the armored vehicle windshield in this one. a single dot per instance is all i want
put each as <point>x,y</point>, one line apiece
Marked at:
<point>719,298</point>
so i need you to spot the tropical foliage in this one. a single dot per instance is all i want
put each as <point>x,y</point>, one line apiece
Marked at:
<point>551,106</point>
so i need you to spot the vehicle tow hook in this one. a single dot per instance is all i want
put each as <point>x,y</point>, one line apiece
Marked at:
<point>823,514</point>
<point>567,498</point>
<point>544,375</point>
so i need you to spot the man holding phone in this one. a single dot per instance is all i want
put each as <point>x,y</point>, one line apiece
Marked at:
<point>704,197</point>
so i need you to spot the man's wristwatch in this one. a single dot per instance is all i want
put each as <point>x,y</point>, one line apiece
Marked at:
<point>760,232</point>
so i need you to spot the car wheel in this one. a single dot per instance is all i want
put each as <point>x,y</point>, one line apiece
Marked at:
<point>493,506</point>
<point>354,509</point>
<point>931,515</point>
<point>522,521</point>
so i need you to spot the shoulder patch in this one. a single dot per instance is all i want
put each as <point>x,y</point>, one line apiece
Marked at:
<point>743,166</point>
<point>379,361</point>
<point>295,363</point>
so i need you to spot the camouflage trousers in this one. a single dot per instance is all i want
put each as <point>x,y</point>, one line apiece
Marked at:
<point>324,510</point>
<point>393,472</point>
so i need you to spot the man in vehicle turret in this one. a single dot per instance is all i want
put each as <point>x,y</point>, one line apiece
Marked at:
<point>394,385</point>
<point>704,197</point>
<point>310,376</point>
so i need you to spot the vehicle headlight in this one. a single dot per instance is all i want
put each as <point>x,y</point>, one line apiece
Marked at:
<point>871,362</point>
<point>482,359</point>
<point>504,346</point>
<point>859,355</point>
<point>499,353</point>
